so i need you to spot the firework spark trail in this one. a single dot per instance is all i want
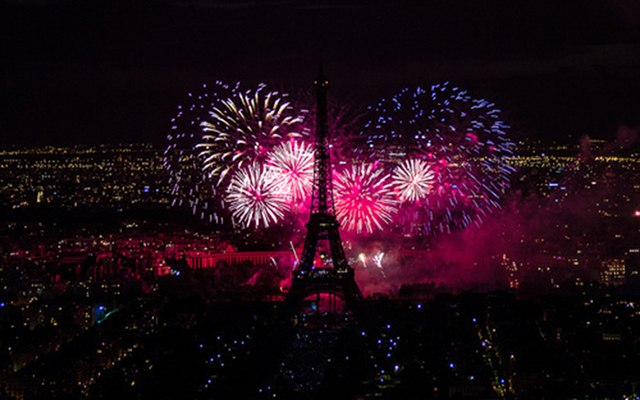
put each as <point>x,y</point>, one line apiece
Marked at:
<point>293,249</point>
<point>460,138</point>
<point>377,260</point>
<point>253,197</point>
<point>292,163</point>
<point>362,258</point>
<point>364,198</point>
<point>188,186</point>
<point>245,128</point>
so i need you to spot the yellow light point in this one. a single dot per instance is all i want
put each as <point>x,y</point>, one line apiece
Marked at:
<point>361,257</point>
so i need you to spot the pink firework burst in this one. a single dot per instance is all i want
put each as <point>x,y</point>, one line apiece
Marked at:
<point>254,197</point>
<point>364,198</point>
<point>292,164</point>
<point>413,179</point>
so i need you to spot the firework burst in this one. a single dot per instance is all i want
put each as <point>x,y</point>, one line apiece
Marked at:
<point>292,164</point>
<point>245,128</point>
<point>254,198</point>
<point>364,198</point>
<point>186,179</point>
<point>463,141</point>
<point>432,160</point>
<point>413,179</point>
<point>219,131</point>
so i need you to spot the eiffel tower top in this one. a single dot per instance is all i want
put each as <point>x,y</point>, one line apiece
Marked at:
<point>322,197</point>
<point>321,80</point>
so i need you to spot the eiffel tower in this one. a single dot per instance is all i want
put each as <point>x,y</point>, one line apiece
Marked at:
<point>323,266</point>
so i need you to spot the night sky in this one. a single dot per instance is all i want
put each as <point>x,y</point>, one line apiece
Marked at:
<point>115,71</point>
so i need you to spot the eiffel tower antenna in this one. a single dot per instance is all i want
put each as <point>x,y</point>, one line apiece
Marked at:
<point>317,273</point>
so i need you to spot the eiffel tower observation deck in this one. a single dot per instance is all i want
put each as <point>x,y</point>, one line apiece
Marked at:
<point>323,267</point>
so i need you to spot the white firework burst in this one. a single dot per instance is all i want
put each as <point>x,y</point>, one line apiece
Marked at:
<point>292,163</point>
<point>245,128</point>
<point>413,179</point>
<point>254,197</point>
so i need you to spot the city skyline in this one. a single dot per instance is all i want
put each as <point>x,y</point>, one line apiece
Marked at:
<point>461,221</point>
<point>105,298</point>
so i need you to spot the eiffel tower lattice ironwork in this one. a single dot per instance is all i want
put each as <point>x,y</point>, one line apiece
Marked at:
<point>333,275</point>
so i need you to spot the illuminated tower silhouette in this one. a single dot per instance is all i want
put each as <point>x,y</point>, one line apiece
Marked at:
<point>323,266</point>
